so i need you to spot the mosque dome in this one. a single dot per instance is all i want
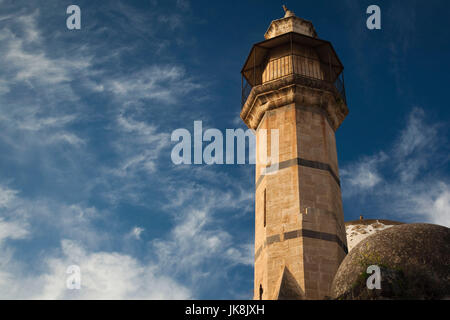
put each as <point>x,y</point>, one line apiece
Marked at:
<point>414,262</point>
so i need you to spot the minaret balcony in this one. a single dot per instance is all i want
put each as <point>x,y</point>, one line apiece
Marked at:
<point>309,60</point>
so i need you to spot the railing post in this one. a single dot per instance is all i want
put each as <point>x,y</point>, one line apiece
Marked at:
<point>292,56</point>
<point>254,67</point>
<point>343,87</point>
<point>242,90</point>
<point>329,64</point>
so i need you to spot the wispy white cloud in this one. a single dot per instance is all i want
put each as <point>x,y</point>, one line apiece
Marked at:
<point>40,108</point>
<point>41,215</point>
<point>25,58</point>
<point>36,91</point>
<point>198,240</point>
<point>138,146</point>
<point>417,146</point>
<point>363,175</point>
<point>41,112</point>
<point>7,196</point>
<point>136,232</point>
<point>161,83</point>
<point>108,276</point>
<point>402,181</point>
<point>203,207</point>
<point>244,254</point>
<point>104,275</point>
<point>428,202</point>
<point>190,242</point>
<point>12,230</point>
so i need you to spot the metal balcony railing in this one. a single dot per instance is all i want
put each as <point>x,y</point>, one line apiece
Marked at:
<point>300,66</point>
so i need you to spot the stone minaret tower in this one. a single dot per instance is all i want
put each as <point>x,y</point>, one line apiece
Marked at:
<point>293,82</point>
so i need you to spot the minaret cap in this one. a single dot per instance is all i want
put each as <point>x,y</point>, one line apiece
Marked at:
<point>290,23</point>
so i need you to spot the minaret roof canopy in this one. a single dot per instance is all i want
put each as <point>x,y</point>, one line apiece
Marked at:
<point>259,51</point>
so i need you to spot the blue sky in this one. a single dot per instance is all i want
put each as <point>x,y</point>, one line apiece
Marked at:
<point>86,118</point>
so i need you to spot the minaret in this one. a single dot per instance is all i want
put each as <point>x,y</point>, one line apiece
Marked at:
<point>293,82</point>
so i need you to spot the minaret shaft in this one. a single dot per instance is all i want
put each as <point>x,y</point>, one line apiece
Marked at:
<point>297,88</point>
<point>300,205</point>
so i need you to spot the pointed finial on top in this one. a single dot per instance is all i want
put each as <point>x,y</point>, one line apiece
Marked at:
<point>288,13</point>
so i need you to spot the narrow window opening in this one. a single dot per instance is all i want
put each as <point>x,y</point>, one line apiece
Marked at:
<point>265,200</point>
<point>260,292</point>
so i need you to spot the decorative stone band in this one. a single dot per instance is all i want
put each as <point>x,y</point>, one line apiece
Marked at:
<point>303,163</point>
<point>301,233</point>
